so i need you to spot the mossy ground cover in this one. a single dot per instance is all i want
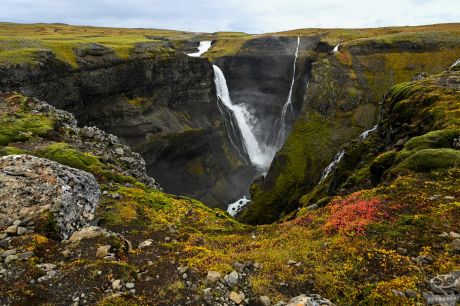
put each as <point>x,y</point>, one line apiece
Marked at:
<point>19,43</point>
<point>227,44</point>
<point>418,129</point>
<point>231,43</point>
<point>348,260</point>
<point>23,126</point>
<point>351,261</point>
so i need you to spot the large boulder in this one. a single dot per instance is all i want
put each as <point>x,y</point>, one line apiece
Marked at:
<point>31,186</point>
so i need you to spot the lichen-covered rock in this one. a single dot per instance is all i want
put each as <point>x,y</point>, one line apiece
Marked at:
<point>310,300</point>
<point>96,141</point>
<point>30,186</point>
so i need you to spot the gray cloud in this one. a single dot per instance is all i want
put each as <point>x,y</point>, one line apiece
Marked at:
<point>236,15</point>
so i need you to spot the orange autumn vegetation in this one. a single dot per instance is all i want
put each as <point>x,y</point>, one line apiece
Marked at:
<point>353,213</point>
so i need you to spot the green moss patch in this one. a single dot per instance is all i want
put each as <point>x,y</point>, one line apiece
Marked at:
<point>19,43</point>
<point>430,159</point>
<point>305,153</point>
<point>64,154</point>
<point>11,151</point>
<point>434,139</point>
<point>23,126</point>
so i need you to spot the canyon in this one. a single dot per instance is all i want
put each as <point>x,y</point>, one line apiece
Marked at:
<point>165,106</point>
<point>283,131</point>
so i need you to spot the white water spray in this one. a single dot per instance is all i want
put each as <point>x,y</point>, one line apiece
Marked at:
<point>332,165</point>
<point>287,112</point>
<point>365,134</point>
<point>338,157</point>
<point>236,207</point>
<point>240,125</point>
<point>202,48</point>
<point>259,155</point>
<point>456,63</point>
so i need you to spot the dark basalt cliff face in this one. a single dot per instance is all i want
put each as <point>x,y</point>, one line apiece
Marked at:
<point>163,106</point>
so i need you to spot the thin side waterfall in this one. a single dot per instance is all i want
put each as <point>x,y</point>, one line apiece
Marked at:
<point>202,48</point>
<point>366,134</point>
<point>259,155</point>
<point>336,48</point>
<point>456,63</point>
<point>332,165</point>
<point>338,157</point>
<point>287,113</point>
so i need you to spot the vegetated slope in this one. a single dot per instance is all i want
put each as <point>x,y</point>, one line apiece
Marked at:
<point>341,100</point>
<point>22,43</point>
<point>378,242</point>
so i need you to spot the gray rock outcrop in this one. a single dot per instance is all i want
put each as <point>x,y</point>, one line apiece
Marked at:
<point>91,139</point>
<point>30,186</point>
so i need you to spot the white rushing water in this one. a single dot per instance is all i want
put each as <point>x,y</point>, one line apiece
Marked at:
<point>336,48</point>
<point>338,157</point>
<point>456,63</point>
<point>241,124</point>
<point>202,48</point>
<point>259,154</point>
<point>287,112</point>
<point>236,207</point>
<point>332,165</point>
<point>365,134</point>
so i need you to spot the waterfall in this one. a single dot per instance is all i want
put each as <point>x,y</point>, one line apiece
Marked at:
<point>287,113</point>
<point>365,134</point>
<point>202,48</point>
<point>336,48</point>
<point>338,157</point>
<point>240,126</point>
<point>456,63</point>
<point>236,207</point>
<point>232,131</point>
<point>242,123</point>
<point>332,165</point>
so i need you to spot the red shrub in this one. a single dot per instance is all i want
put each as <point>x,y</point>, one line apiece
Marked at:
<point>353,213</point>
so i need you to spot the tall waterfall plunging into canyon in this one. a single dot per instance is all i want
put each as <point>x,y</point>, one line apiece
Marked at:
<point>241,127</point>
<point>287,113</point>
<point>259,154</point>
<point>241,123</point>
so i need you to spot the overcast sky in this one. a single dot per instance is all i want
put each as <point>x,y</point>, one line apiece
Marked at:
<point>252,16</point>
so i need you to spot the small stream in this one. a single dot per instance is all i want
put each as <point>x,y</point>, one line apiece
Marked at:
<point>202,48</point>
